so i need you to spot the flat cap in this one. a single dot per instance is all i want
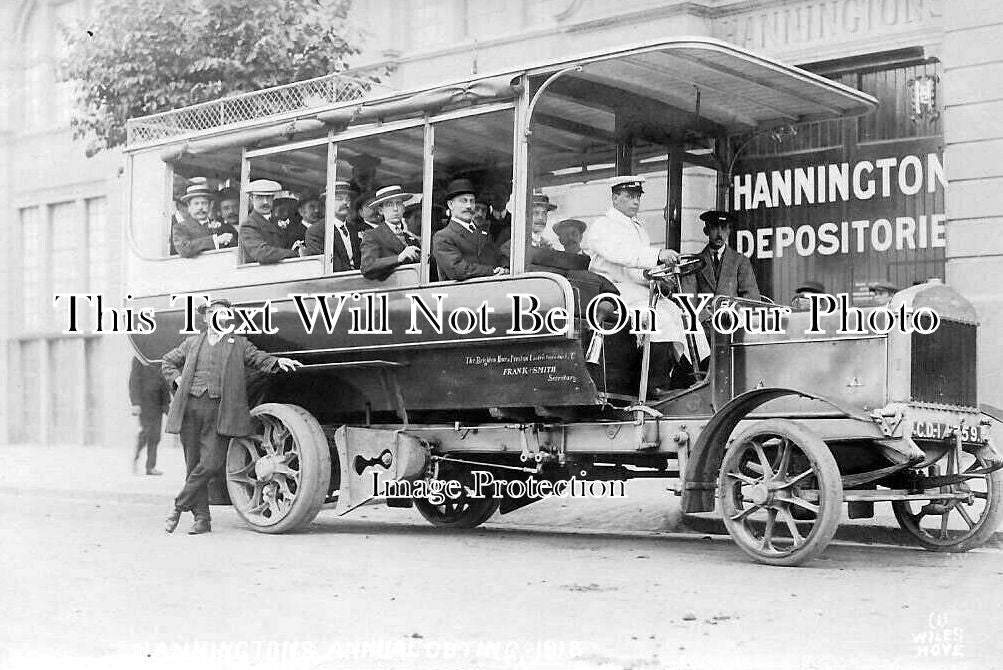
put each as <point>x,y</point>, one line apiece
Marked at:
<point>718,217</point>
<point>810,286</point>
<point>215,301</point>
<point>879,286</point>
<point>264,187</point>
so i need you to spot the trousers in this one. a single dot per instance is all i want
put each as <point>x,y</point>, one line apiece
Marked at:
<point>149,437</point>
<point>205,453</point>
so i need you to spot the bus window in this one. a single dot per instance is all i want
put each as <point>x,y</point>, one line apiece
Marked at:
<point>378,181</point>
<point>583,134</point>
<point>280,228</point>
<point>472,171</point>
<point>202,187</point>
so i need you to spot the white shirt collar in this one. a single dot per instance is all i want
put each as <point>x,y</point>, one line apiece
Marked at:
<point>472,227</point>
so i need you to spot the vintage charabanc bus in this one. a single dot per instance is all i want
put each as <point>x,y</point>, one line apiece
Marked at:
<point>779,431</point>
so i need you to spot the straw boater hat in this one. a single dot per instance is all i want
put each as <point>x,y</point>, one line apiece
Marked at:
<point>541,199</point>
<point>264,187</point>
<point>197,186</point>
<point>287,195</point>
<point>627,183</point>
<point>388,193</point>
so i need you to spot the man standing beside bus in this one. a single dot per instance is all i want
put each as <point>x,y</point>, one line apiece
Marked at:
<point>209,405</point>
<point>261,240</point>
<point>621,251</point>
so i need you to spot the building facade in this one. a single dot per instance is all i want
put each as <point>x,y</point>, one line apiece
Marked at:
<point>902,195</point>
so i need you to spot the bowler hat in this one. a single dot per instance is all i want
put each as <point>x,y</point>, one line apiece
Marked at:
<point>228,193</point>
<point>459,187</point>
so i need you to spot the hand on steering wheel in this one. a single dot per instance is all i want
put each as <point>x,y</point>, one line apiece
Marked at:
<point>688,264</point>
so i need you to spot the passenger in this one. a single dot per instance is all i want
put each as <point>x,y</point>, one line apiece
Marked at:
<point>390,244</point>
<point>286,217</point>
<point>882,291</point>
<point>261,240</point>
<point>461,249</point>
<point>541,208</point>
<point>800,302</point>
<point>621,251</point>
<point>230,212</point>
<point>501,218</point>
<point>412,218</point>
<point>725,271</point>
<point>346,247</point>
<point>310,211</point>
<point>482,213</point>
<point>191,234</point>
<point>570,232</point>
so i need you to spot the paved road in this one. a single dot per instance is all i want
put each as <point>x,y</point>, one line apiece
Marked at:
<point>100,582</point>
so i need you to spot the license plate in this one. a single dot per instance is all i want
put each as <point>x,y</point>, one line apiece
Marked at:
<point>938,430</point>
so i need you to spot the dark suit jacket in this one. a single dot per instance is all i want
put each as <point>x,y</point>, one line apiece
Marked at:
<point>315,245</point>
<point>356,228</point>
<point>147,389</point>
<point>380,247</point>
<point>190,238</point>
<point>234,413</point>
<point>736,278</point>
<point>462,254</point>
<point>292,233</point>
<point>262,241</point>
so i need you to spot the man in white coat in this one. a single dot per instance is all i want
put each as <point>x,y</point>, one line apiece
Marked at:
<point>621,251</point>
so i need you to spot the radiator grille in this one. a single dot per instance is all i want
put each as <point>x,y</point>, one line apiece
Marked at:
<point>943,365</point>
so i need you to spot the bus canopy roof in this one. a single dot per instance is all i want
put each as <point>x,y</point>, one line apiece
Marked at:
<point>712,86</point>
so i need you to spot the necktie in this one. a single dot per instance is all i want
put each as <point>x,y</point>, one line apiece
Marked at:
<point>717,266</point>
<point>347,241</point>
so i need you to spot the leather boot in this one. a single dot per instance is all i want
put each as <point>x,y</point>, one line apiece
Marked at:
<point>171,522</point>
<point>658,369</point>
<point>200,526</point>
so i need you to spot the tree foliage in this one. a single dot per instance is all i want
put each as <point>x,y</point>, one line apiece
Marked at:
<point>138,57</point>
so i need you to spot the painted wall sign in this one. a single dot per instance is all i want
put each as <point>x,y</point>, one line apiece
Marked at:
<point>876,194</point>
<point>806,24</point>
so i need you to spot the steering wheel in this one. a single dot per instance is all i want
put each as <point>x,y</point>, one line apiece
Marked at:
<point>688,264</point>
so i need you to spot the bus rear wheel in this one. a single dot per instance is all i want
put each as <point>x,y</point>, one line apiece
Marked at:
<point>464,511</point>
<point>278,476</point>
